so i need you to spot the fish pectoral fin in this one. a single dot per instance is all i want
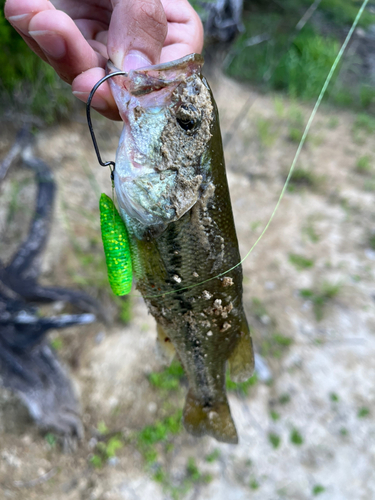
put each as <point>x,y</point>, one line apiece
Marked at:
<point>216,421</point>
<point>241,361</point>
<point>164,345</point>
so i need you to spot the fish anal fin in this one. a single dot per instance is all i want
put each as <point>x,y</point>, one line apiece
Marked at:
<point>241,361</point>
<point>164,345</point>
<point>215,421</point>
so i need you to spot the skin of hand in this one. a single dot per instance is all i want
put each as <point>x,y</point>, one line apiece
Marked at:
<point>76,37</point>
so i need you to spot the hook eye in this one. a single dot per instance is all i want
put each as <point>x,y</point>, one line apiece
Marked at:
<point>89,122</point>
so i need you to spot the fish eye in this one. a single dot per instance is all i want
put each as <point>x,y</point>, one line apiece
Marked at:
<point>188,117</point>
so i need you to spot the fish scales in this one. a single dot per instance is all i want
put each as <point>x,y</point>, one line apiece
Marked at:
<point>173,196</point>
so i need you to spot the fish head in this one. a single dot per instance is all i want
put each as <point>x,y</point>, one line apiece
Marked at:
<point>161,160</point>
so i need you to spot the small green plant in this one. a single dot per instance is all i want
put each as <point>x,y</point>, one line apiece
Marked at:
<point>169,379</point>
<point>266,132</point>
<point>57,343</point>
<point>300,262</point>
<point>160,432</point>
<point>365,123</point>
<point>274,345</point>
<point>363,165</point>
<point>303,178</point>
<point>241,387</point>
<point>295,437</point>
<point>194,474</point>
<point>284,398</point>
<point>51,439</point>
<point>311,233</point>
<point>274,439</point>
<point>363,412</point>
<point>212,457</point>
<point>258,308</point>
<point>334,397</point>
<point>105,450</point>
<point>274,415</point>
<point>254,484</point>
<point>319,298</point>
<point>125,314</point>
<point>318,489</point>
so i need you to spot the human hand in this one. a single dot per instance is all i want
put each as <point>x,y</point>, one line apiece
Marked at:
<point>76,37</point>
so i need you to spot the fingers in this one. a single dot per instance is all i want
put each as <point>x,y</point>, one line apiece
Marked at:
<point>136,33</point>
<point>185,30</point>
<point>63,44</point>
<point>102,101</point>
<point>20,12</point>
<point>54,36</point>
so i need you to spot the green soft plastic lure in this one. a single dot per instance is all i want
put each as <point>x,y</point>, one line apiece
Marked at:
<point>116,247</point>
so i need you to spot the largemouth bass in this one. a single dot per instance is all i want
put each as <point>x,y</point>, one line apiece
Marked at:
<point>173,196</point>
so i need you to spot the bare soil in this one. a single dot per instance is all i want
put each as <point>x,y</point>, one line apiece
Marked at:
<point>320,403</point>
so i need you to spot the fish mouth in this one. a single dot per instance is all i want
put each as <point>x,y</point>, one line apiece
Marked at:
<point>149,79</point>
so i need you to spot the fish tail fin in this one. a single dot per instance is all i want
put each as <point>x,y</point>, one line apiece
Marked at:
<point>216,421</point>
<point>241,361</point>
<point>164,345</point>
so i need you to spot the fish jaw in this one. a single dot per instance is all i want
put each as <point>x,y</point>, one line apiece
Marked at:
<point>159,171</point>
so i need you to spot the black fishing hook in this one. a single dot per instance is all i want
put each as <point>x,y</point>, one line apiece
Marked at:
<point>89,123</point>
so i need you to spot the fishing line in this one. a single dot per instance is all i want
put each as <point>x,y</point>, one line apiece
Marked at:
<point>295,159</point>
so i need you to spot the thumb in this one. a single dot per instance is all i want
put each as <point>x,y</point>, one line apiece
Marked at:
<point>136,33</point>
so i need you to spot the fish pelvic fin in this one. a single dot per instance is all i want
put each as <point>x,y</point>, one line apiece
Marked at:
<point>241,361</point>
<point>164,345</point>
<point>215,421</point>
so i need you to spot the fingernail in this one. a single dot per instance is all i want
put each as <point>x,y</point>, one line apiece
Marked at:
<point>135,60</point>
<point>50,42</point>
<point>19,22</point>
<point>97,101</point>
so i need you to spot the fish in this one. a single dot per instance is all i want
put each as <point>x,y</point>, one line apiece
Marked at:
<point>173,196</point>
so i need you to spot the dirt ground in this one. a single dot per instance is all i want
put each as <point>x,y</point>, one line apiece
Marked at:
<point>306,427</point>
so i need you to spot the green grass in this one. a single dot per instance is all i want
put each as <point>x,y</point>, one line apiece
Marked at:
<point>212,457</point>
<point>334,397</point>
<point>57,343</point>
<point>275,345</point>
<point>363,164</point>
<point>300,262</point>
<point>304,178</point>
<point>258,309</point>
<point>298,63</point>
<point>105,450</point>
<point>254,484</point>
<point>274,415</point>
<point>284,398</point>
<point>311,233</point>
<point>363,412</point>
<point>318,489</point>
<point>168,379</point>
<point>274,439</point>
<point>295,437</point>
<point>267,133</point>
<point>241,387</point>
<point>321,297</point>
